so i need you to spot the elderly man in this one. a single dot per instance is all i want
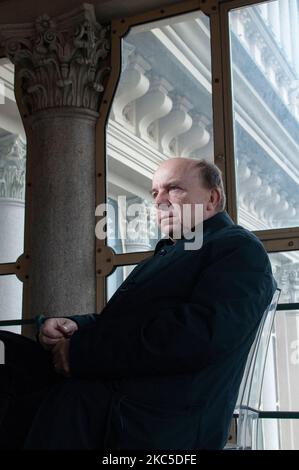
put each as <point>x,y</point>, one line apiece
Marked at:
<point>161,366</point>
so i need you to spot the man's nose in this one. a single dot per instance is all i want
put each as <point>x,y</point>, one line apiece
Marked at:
<point>162,199</point>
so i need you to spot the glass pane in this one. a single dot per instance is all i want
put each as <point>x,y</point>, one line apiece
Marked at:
<point>250,393</point>
<point>11,291</point>
<point>265,78</point>
<point>280,388</point>
<point>117,278</point>
<point>162,108</point>
<point>12,169</point>
<point>278,434</point>
<point>281,381</point>
<point>285,266</point>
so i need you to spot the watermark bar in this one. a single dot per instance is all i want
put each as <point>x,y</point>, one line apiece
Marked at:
<point>139,221</point>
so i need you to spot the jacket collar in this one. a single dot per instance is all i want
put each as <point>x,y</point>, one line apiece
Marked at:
<point>210,226</point>
<point>215,223</point>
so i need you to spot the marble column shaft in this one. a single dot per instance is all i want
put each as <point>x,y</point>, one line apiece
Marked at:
<point>62,277</point>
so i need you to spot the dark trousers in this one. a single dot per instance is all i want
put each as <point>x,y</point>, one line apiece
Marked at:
<point>40,409</point>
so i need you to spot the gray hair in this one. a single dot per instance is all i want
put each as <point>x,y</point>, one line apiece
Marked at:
<point>211,177</point>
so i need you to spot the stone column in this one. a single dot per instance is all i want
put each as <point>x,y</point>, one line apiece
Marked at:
<point>12,191</point>
<point>273,15</point>
<point>61,63</point>
<point>263,11</point>
<point>285,36</point>
<point>294,34</point>
<point>12,194</point>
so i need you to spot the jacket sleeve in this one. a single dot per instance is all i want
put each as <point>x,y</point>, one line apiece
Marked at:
<point>167,337</point>
<point>84,320</point>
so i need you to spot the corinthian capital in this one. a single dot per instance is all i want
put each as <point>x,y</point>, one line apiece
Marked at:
<point>61,61</point>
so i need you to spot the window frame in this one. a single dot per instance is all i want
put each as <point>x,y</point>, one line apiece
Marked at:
<point>285,239</point>
<point>20,267</point>
<point>274,240</point>
<point>119,29</point>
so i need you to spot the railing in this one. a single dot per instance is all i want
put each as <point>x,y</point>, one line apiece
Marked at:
<point>37,321</point>
<point>291,306</point>
<point>272,414</point>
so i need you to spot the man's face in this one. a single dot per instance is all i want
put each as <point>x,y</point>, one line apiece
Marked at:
<point>177,183</point>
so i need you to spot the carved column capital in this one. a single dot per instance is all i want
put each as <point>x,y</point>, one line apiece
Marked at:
<point>61,61</point>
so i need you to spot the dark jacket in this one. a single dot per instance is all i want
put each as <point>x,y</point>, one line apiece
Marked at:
<point>174,338</point>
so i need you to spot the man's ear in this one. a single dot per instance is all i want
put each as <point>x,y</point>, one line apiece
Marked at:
<point>214,200</point>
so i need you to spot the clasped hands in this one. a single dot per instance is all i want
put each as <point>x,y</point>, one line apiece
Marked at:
<point>54,336</point>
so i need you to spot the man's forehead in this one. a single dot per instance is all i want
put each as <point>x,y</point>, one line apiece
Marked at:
<point>173,173</point>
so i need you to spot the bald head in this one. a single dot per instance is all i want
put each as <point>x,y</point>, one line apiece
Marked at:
<point>177,182</point>
<point>177,164</point>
